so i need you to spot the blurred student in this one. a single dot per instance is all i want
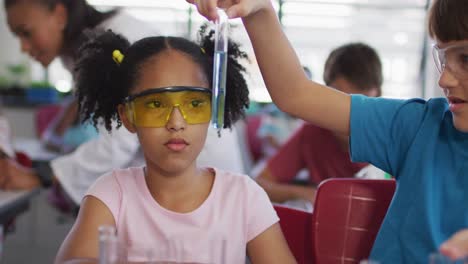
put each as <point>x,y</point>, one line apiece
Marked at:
<point>49,29</point>
<point>424,144</point>
<point>322,152</point>
<point>276,126</point>
<point>64,137</point>
<point>159,89</point>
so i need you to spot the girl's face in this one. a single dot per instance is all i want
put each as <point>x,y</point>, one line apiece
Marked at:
<point>452,59</point>
<point>40,30</point>
<point>173,148</point>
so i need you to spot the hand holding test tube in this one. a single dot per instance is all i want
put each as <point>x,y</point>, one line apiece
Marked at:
<point>219,71</point>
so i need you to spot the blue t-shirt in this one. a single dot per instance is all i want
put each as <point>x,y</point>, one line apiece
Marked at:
<point>416,142</point>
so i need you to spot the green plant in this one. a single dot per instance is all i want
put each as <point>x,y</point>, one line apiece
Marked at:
<point>3,82</point>
<point>41,85</point>
<point>17,69</point>
<point>17,72</point>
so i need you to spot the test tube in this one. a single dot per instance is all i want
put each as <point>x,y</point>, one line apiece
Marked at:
<point>110,251</point>
<point>219,71</point>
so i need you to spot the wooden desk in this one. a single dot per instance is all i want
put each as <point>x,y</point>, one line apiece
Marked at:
<point>12,203</point>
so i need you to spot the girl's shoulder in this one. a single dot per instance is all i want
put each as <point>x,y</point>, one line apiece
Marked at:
<point>232,181</point>
<point>129,176</point>
<point>118,179</point>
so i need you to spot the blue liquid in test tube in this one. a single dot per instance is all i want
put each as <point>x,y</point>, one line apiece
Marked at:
<point>219,71</point>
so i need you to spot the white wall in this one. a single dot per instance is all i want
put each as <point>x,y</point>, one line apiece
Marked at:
<point>10,49</point>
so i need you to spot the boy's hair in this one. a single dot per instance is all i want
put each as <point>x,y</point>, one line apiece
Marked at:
<point>80,14</point>
<point>356,62</point>
<point>102,84</point>
<point>448,20</point>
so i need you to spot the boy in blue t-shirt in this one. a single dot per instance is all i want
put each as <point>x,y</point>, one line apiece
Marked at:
<point>424,144</point>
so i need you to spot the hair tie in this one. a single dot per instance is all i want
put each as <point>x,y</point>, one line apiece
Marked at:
<point>117,56</point>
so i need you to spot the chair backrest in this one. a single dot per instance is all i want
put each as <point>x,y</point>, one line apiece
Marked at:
<point>347,215</point>
<point>297,229</point>
<point>254,143</point>
<point>44,115</point>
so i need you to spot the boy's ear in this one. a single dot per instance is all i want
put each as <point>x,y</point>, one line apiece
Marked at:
<point>125,121</point>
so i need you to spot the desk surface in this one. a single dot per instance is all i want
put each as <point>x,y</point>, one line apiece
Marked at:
<point>34,149</point>
<point>13,203</point>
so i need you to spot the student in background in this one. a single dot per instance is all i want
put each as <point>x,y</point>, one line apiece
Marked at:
<point>159,89</point>
<point>424,144</point>
<point>65,137</point>
<point>322,152</point>
<point>50,29</point>
<point>276,126</point>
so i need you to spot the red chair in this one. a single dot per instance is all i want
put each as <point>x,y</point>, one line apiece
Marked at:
<point>254,143</point>
<point>347,215</point>
<point>297,229</point>
<point>23,159</point>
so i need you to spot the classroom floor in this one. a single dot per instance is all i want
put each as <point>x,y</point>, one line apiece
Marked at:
<point>37,234</point>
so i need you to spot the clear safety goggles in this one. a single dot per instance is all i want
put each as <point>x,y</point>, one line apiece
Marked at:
<point>454,58</point>
<point>153,108</point>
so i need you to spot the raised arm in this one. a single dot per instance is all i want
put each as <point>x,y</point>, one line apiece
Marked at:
<point>283,74</point>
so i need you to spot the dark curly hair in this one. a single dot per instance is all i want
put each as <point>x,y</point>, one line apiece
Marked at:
<point>102,84</point>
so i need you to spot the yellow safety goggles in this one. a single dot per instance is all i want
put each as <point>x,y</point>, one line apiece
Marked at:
<point>153,108</point>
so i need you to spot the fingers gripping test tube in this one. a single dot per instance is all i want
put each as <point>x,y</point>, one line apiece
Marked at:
<point>219,71</point>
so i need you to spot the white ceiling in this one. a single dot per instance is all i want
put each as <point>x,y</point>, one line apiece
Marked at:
<point>396,28</point>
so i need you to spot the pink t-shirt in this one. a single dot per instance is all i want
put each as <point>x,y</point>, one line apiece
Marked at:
<point>315,149</point>
<point>236,211</point>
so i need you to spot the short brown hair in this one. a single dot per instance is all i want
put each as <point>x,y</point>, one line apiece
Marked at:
<point>358,63</point>
<point>448,20</point>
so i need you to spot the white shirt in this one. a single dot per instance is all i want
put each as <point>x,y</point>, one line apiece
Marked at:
<point>5,137</point>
